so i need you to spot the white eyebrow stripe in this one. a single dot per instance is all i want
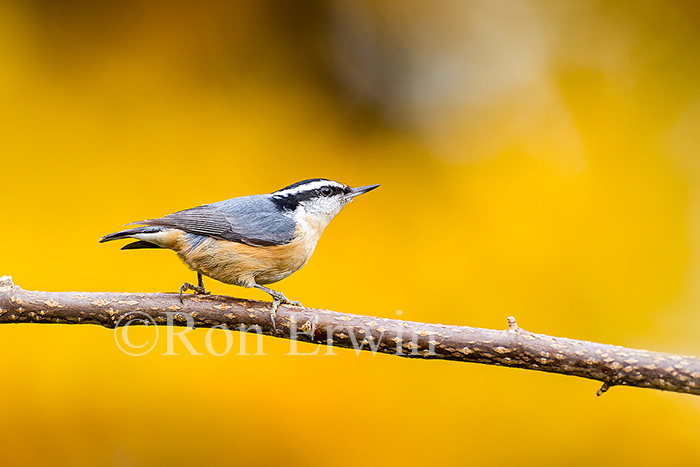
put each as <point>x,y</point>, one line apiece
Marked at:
<point>308,187</point>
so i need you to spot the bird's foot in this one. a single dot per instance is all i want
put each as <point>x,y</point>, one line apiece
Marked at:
<point>197,289</point>
<point>278,299</point>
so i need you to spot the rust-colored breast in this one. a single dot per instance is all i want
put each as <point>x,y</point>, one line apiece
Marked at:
<point>245,265</point>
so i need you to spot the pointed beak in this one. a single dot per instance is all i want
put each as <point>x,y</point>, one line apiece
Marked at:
<point>361,190</point>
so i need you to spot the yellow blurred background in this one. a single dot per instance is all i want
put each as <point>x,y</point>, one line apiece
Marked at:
<point>537,159</point>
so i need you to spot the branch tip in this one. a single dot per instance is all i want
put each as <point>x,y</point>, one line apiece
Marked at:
<point>603,389</point>
<point>512,324</point>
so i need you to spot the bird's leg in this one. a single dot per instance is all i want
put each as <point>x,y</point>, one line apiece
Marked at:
<point>198,289</point>
<point>200,285</point>
<point>277,299</point>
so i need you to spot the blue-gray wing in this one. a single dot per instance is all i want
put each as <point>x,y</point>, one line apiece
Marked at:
<point>253,220</point>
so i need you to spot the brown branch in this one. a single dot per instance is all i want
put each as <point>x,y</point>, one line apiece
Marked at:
<point>514,347</point>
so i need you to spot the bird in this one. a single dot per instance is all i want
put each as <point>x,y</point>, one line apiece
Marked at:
<point>249,241</point>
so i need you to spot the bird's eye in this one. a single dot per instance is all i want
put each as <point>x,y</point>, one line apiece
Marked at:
<point>326,191</point>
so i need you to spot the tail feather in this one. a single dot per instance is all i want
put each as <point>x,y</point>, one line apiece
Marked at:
<point>129,233</point>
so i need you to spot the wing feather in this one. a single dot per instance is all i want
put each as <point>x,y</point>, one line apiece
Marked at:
<point>255,222</point>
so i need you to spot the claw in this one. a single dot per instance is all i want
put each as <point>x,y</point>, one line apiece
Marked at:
<point>273,312</point>
<point>185,287</point>
<point>277,299</point>
<point>198,289</point>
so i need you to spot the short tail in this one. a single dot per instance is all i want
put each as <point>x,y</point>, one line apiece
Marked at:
<point>134,233</point>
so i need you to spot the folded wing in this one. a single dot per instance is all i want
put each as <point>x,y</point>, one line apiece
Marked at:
<point>253,220</point>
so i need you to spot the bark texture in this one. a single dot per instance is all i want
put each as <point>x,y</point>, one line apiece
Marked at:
<point>513,347</point>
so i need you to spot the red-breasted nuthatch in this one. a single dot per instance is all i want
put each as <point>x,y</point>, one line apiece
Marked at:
<point>251,240</point>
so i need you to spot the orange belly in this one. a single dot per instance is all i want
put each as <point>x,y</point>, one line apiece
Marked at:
<point>245,265</point>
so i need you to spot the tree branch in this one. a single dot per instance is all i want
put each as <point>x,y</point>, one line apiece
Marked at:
<point>514,347</point>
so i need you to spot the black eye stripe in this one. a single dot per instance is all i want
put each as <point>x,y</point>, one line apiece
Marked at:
<point>285,203</point>
<point>329,190</point>
<point>289,202</point>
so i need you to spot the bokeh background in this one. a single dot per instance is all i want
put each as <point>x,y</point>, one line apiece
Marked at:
<point>537,159</point>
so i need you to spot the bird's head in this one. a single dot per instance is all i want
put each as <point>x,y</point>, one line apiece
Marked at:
<point>317,197</point>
